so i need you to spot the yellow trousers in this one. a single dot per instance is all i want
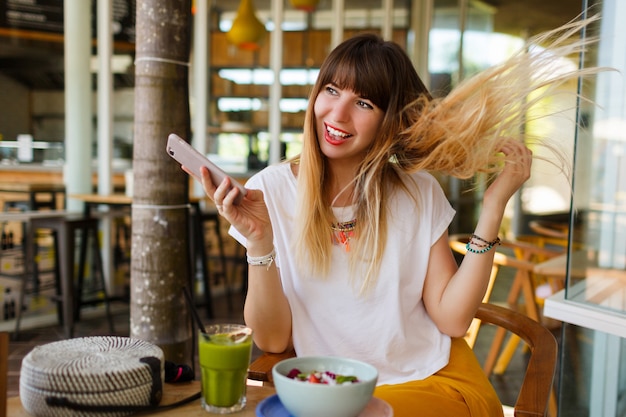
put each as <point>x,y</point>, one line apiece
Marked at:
<point>460,389</point>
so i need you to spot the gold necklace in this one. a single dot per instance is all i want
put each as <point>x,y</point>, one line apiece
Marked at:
<point>343,232</point>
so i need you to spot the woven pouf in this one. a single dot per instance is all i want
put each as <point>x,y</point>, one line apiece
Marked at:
<point>91,371</point>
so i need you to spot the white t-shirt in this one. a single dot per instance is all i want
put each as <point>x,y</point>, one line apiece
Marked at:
<point>387,326</point>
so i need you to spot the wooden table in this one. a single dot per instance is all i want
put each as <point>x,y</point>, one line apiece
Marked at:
<point>98,199</point>
<point>557,267</point>
<point>33,190</point>
<point>171,394</point>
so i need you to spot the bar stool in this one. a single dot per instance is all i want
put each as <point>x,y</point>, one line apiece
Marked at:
<point>70,297</point>
<point>23,206</point>
<point>212,219</point>
<point>17,205</point>
<point>200,219</point>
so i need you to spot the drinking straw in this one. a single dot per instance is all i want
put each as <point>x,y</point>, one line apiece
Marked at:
<point>192,307</point>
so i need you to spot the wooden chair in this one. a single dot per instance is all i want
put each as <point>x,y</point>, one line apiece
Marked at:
<point>522,256</point>
<point>536,388</point>
<point>550,229</point>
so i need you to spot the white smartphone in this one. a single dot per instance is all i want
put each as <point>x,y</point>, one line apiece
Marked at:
<point>193,160</point>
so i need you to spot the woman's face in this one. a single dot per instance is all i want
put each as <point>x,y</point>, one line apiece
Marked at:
<point>346,124</point>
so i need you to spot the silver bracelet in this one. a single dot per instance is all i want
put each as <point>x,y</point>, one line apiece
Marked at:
<point>262,260</point>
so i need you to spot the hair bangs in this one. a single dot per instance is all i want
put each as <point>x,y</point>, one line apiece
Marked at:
<point>359,70</point>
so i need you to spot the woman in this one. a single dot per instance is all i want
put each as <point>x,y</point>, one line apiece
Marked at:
<point>347,244</point>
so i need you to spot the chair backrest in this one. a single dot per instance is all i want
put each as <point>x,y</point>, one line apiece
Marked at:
<point>556,230</point>
<point>4,370</point>
<point>522,257</point>
<point>536,387</point>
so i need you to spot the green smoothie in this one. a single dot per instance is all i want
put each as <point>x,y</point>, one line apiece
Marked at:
<point>224,360</point>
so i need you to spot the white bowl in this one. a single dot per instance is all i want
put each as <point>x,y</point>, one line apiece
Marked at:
<point>304,399</point>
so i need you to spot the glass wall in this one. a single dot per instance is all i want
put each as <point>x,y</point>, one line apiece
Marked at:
<point>592,381</point>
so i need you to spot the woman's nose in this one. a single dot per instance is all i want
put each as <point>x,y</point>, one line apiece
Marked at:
<point>341,111</point>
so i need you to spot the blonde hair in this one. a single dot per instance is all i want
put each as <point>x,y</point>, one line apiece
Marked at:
<point>458,135</point>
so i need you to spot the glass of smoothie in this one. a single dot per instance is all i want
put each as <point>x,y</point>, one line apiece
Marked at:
<point>224,352</point>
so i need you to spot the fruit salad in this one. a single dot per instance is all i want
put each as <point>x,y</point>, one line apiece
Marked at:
<point>317,377</point>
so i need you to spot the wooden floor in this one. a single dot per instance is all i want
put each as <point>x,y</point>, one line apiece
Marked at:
<point>507,385</point>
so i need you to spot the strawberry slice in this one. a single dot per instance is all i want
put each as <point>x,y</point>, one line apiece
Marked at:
<point>314,379</point>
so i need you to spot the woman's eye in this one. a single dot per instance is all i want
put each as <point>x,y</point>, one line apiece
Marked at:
<point>331,90</point>
<point>364,104</point>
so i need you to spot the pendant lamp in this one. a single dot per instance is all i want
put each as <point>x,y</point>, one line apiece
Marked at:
<point>306,5</point>
<point>247,31</point>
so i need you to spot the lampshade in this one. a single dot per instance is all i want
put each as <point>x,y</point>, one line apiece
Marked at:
<point>247,31</point>
<point>306,5</point>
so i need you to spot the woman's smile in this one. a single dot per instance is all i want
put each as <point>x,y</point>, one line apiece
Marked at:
<point>335,136</point>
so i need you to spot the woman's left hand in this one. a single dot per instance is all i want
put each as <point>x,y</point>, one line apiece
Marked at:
<point>516,171</point>
<point>452,302</point>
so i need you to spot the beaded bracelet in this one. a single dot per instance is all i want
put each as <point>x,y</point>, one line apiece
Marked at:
<point>485,245</point>
<point>262,260</point>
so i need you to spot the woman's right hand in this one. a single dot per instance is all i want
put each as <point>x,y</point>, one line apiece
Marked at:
<point>250,217</point>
